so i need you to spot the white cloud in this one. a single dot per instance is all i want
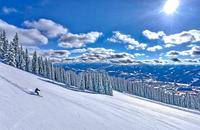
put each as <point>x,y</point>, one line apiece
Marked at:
<point>175,59</point>
<point>137,47</point>
<point>82,50</point>
<point>101,55</point>
<point>7,10</point>
<point>48,27</point>
<point>194,51</point>
<point>119,37</point>
<point>191,45</point>
<point>191,61</point>
<point>107,56</point>
<point>155,61</point>
<point>127,39</point>
<point>153,35</point>
<point>183,37</point>
<point>190,36</point>
<point>172,53</point>
<point>70,40</point>
<point>169,45</point>
<point>154,48</point>
<point>139,54</point>
<point>54,55</point>
<point>26,36</point>
<point>172,60</point>
<point>110,56</point>
<point>130,47</point>
<point>142,46</point>
<point>99,51</point>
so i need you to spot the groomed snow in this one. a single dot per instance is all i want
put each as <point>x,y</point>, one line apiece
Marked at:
<point>63,109</point>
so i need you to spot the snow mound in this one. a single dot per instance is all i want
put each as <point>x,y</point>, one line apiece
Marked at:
<point>61,108</point>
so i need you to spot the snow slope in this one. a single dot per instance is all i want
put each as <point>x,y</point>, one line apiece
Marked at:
<point>65,109</point>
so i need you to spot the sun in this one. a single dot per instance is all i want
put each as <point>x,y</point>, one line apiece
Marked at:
<point>171,6</point>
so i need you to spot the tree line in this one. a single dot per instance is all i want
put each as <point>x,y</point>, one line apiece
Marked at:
<point>158,91</point>
<point>12,53</point>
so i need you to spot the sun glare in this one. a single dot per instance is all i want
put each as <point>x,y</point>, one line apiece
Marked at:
<point>171,6</point>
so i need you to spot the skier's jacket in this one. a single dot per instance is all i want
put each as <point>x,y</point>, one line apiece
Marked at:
<point>37,91</point>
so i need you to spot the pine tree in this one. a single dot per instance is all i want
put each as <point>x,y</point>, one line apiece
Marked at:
<point>1,43</point>
<point>100,84</point>
<point>82,81</point>
<point>68,83</point>
<point>57,74</point>
<point>40,66</point>
<point>11,56</point>
<point>52,71</point>
<point>27,61</point>
<point>35,63</point>
<point>21,60</point>
<point>90,83</point>
<point>47,66</point>
<point>49,69</point>
<point>15,44</point>
<point>4,49</point>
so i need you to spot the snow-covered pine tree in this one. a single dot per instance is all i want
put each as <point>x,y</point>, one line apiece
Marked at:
<point>63,75</point>
<point>27,61</point>
<point>90,83</point>
<point>96,83</point>
<point>5,45</point>
<point>47,66</point>
<point>110,89</point>
<point>57,75</point>
<point>21,60</point>
<point>35,63</point>
<point>81,81</point>
<point>52,71</point>
<point>106,84</point>
<point>100,83</point>
<point>68,83</point>
<point>1,43</point>
<point>44,67</point>
<point>15,43</point>
<point>73,78</point>
<point>40,66</point>
<point>10,60</point>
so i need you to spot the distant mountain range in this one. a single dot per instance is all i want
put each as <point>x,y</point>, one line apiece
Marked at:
<point>187,74</point>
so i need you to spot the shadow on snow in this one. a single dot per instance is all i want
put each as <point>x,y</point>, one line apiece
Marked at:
<point>25,90</point>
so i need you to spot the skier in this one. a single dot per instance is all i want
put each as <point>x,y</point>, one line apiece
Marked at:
<point>37,91</point>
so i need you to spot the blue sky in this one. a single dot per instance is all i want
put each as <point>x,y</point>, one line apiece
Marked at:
<point>124,31</point>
